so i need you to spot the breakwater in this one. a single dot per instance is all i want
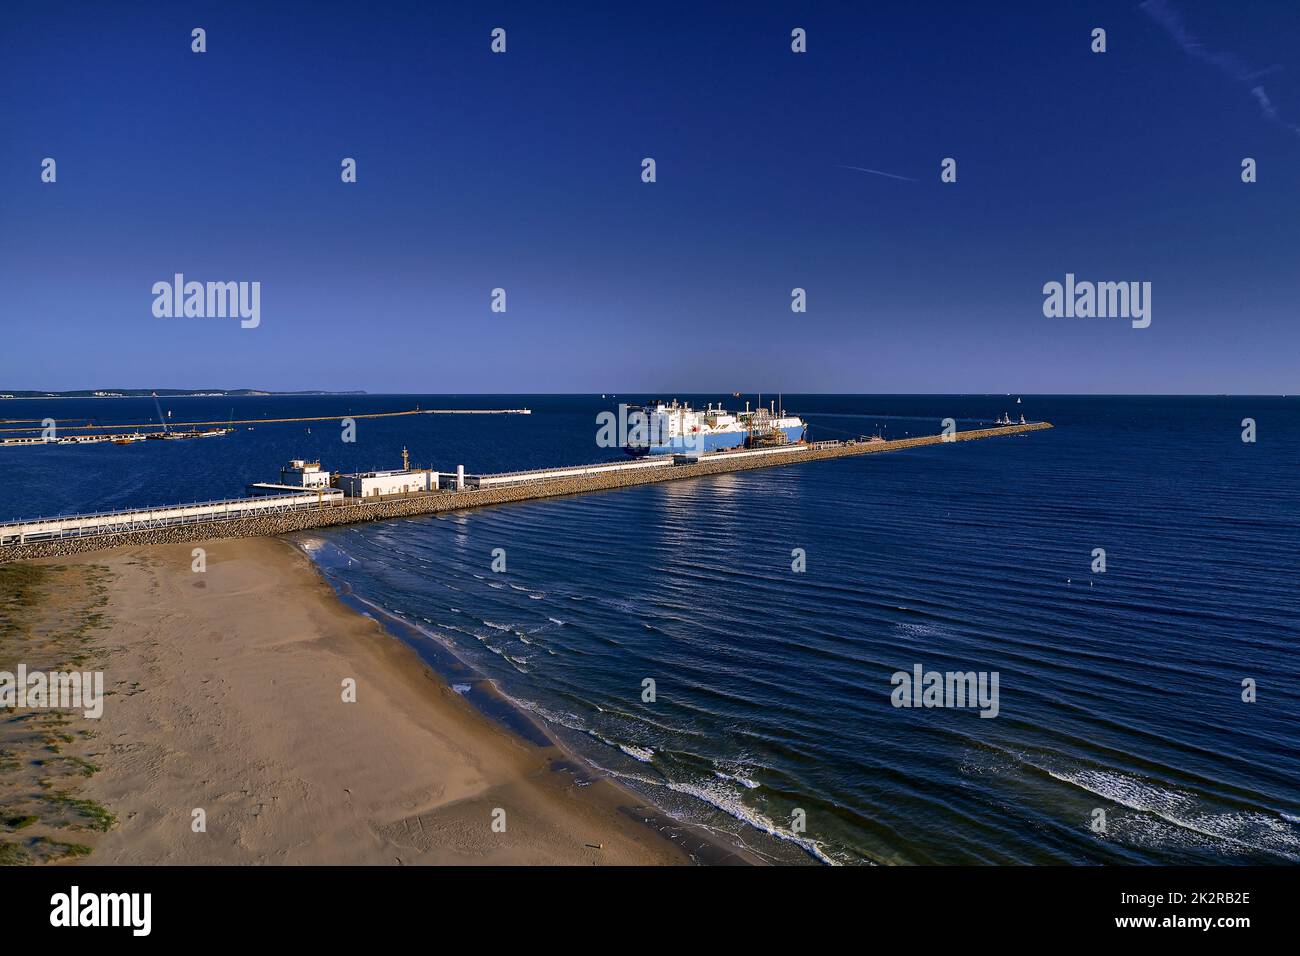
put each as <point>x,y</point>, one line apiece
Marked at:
<point>352,511</point>
<point>93,426</point>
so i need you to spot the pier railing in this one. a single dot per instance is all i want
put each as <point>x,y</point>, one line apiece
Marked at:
<point>138,519</point>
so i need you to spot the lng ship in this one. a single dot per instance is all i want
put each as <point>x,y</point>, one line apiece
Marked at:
<point>663,428</point>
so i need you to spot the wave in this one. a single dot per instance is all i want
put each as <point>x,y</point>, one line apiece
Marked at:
<point>743,781</point>
<point>731,804</point>
<point>1247,830</point>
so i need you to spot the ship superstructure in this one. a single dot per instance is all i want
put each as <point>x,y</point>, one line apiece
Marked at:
<point>664,428</point>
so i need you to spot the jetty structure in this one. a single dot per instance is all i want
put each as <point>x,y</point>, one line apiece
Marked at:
<point>13,435</point>
<point>308,497</point>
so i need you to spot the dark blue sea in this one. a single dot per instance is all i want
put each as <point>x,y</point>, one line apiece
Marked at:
<point>1119,691</point>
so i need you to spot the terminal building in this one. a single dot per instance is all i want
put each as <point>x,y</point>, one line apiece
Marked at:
<point>403,481</point>
<point>301,476</point>
<point>297,476</point>
<point>371,484</point>
<point>304,474</point>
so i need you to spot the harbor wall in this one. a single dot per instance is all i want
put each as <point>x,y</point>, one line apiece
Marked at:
<point>439,501</point>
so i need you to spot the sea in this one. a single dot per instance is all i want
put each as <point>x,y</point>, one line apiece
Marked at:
<point>731,647</point>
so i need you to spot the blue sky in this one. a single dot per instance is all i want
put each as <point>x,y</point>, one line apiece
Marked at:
<point>522,171</point>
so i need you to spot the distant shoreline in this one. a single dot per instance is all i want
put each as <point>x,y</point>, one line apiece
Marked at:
<point>168,393</point>
<point>28,394</point>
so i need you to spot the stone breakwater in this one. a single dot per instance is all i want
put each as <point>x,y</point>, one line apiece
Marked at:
<point>436,501</point>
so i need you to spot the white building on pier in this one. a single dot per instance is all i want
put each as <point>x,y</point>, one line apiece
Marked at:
<point>304,474</point>
<point>372,484</point>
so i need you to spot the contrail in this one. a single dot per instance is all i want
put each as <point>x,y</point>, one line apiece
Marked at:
<point>863,169</point>
<point>1164,13</point>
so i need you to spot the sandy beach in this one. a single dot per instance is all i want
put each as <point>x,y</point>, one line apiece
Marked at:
<point>226,696</point>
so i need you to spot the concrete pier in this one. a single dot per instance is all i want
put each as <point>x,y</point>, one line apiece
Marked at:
<point>592,478</point>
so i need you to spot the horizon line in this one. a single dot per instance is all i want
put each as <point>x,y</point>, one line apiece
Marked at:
<point>325,393</point>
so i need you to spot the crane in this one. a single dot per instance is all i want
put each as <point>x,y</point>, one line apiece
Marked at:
<point>160,414</point>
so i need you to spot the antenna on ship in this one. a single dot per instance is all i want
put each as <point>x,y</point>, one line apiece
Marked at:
<point>406,459</point>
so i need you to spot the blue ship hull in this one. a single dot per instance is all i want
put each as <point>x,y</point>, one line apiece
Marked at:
<point>710,443</point>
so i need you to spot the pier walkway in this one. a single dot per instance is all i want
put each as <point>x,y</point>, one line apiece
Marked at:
<point>281,514</point>
<point>142,519</point>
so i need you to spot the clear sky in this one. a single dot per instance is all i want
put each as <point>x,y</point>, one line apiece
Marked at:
<point>523,171</point>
